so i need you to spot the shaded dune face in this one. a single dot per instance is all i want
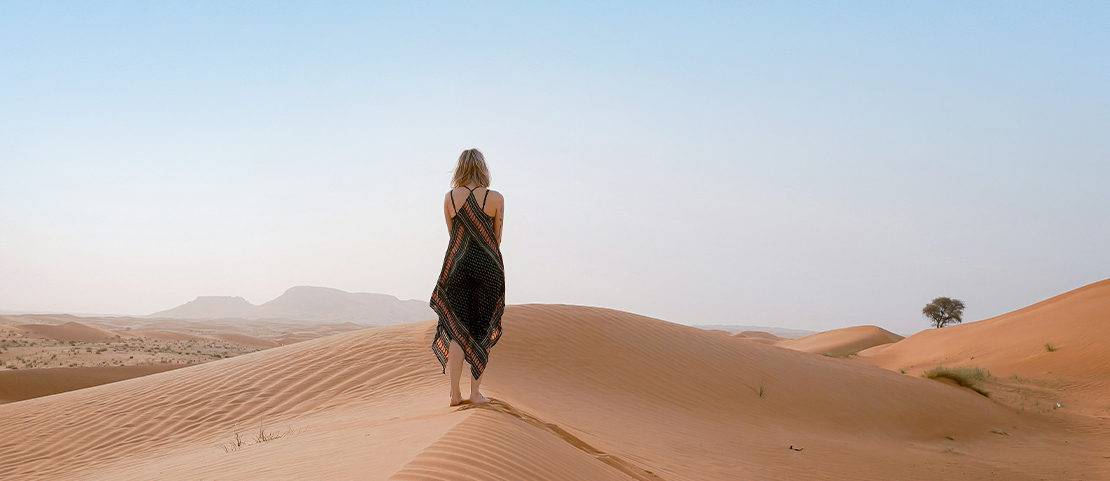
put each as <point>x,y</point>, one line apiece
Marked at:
<point>581,393</point>
<point>32,383</point>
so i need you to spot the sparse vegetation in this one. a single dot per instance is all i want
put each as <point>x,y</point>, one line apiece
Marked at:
<point>762,391</point>
<point>238,442</point>
<point>1000,432</point>
<point>943,311</point>
<point>264,436</point>
<point>1048,347</point>
<point>25,353</point>
<point>969,377</point>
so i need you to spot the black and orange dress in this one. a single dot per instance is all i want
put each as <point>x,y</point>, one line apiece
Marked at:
<point>470,294</point>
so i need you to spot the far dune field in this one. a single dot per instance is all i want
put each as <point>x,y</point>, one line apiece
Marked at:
<point>48,354</point>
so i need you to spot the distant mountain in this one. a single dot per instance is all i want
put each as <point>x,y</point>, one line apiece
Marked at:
<point>210,307</point>
<point>306,303</point>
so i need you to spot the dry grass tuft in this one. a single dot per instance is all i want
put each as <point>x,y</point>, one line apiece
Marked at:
<point>969,377</point>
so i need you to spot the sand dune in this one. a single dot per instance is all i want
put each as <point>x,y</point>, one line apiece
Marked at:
<point>1017,345</point>
<point>17,385</point>
<point>69,331</point>
<point>842,342</point>
<point>1076,324</point>
<point>758,336</point>
<point>37,344</point>
<point>582,393</point>
<point>775,331</point>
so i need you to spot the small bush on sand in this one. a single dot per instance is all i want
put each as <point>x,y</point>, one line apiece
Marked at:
<point>969,377</point>
<point>1048,347</point>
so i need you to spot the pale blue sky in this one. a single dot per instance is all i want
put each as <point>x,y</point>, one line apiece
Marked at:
<point>809,165</point>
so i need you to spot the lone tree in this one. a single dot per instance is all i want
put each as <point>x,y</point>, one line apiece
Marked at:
<point>944,311</point>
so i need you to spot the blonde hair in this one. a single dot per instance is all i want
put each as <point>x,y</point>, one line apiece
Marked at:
<point>471,169</point>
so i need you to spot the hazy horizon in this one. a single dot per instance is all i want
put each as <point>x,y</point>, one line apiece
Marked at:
<point>797,165</point>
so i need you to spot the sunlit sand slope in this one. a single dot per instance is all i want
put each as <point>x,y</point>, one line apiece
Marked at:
<point>580,393</point>
<point>1062,344</point>
<point>842,342</point>
<point>1076,325</point>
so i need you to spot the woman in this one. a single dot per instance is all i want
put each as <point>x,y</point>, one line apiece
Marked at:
<point>470,294</point>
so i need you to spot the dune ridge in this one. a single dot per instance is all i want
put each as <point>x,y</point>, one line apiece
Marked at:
<point>1015,347</point>
<point>842,342</point>
<point>582,393</point>
<point>68,331</point>
<point>17,385</point>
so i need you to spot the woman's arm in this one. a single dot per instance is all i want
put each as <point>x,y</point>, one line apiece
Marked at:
<point>447,210</point>
<point>498,221</point>
<point>497,202</point>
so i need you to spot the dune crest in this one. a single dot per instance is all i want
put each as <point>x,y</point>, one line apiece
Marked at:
<point>69,331</point>
<point>582,393</point>
<point>17,385</point>
<point>842,342</point>
<point>1058,344</point>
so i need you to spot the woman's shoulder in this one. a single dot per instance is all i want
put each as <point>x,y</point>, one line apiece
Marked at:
<point>495,196</point>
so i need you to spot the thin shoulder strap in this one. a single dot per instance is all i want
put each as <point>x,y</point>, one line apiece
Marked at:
<point>484,199</point>
<point>452,196</point>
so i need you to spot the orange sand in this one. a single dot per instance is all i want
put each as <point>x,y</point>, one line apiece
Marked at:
<point>17,385</point>
<point>70,331</point>
<point>47,354</point>
<point>842,342</point>
<point>1076,373</point>
<point>581,394</point>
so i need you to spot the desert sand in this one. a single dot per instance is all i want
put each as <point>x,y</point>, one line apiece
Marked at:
<point>17,385</point>
<point>579,393</point>
<point>1055,351</point>
<point>47,354</point>
<point>842,342</point>
<point>835,343</point>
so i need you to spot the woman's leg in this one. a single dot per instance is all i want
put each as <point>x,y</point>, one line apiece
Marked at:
<point>455,362</point>
<point>475,394</point>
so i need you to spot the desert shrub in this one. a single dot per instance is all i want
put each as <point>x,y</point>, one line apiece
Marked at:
<point>969,377</point>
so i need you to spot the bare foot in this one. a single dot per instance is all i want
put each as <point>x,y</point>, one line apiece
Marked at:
<point>478,398</point>
<point>456,398</point>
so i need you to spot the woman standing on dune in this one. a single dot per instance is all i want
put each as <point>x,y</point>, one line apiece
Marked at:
<point>470,293</point>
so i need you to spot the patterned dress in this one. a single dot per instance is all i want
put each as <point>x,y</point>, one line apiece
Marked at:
<point>470,294</point>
